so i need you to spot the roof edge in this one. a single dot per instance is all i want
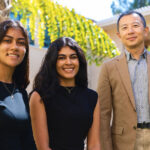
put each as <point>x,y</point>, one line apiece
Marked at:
<point>110,21</point>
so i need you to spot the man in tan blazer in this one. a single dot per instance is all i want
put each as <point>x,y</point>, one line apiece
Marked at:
<point>124,89</point>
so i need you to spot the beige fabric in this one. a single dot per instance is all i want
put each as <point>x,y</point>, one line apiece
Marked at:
<point>115,94</point>
<point>142,139</point>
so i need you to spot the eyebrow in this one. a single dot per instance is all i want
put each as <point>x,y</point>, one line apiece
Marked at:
<point>12,37</point>
<point>65,54</point>
<point>131,23</point>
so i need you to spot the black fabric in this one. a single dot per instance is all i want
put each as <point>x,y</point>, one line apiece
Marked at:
<point>15,126</point>
<point>69,117</point>
<point>144,125</point>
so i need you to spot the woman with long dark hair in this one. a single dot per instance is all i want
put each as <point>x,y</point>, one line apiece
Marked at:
<point>63,110</point>
<point>15,128</point>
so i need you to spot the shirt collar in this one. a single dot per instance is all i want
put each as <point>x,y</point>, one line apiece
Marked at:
<point>129,56</point>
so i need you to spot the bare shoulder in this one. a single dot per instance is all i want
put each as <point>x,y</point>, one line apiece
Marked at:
<point>35,94</point>
<point>35,98</point>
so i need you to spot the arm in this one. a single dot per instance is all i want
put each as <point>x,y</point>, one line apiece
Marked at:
<point>93,138</point>
<point>105,96</point>
<point>39,122</point>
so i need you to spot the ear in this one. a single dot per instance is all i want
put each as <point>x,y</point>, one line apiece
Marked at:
<point>118,34</point>
<point>146,29</point>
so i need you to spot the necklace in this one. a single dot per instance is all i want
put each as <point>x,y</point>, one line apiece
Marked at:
<point>69,89</point>
<point>7,89</point>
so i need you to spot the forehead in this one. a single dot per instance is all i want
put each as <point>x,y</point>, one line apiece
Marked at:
<point>129,19</point>
<point>66,50</point>
<point>15,32</point>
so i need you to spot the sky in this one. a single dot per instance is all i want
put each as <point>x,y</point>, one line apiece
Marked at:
<point>92,9</point>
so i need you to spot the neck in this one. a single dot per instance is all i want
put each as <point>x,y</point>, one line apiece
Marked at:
<point>67,83</point>
<point>6,74</point>
<point>136,52</point>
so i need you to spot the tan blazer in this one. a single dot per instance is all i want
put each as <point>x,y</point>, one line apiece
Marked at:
<point>116,95</point>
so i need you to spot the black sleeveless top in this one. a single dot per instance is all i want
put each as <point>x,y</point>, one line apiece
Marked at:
<point>15,127</point>
<point>69,117</point>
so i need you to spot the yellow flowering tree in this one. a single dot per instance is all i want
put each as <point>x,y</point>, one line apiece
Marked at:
<point>60,21</point>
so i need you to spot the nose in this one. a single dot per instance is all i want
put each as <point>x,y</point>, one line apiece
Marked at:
<point>14,45</point>
<point>68,61</point>
<point>130,30</point>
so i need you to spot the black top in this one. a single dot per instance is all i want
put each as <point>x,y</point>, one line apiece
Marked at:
<point>15,127</point>
<point>69,117</point>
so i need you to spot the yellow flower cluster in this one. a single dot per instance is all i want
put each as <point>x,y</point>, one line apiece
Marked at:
<point>60,21</point>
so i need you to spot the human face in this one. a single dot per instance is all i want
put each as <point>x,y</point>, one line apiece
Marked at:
<point>132,32</point>
<point>67,66</point>
<point>12,48</point>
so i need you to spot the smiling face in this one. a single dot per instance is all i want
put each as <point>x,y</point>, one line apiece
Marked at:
<point>12,48</point>
<point>67,66</point>
<point>132,32</point>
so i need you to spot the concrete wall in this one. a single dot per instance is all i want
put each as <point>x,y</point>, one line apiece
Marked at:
<point>93,75</point>
<point>35,58</point>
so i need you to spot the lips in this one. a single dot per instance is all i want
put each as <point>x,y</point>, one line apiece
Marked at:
<point>13,55</point>
<point>68,70</point>
<point>131,38</point>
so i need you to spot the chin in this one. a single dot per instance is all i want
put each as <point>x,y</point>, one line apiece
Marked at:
<point>13,65</point>
<point>69,78</point>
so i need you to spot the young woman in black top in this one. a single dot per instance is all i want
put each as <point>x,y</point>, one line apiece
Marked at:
<point>63,110</point>
<point>15,128</point>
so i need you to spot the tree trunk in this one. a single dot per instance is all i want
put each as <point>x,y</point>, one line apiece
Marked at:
<point>5,7</point>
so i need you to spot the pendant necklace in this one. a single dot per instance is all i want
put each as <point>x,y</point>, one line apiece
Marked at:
<point>69,89</point>
<point>7,89</point>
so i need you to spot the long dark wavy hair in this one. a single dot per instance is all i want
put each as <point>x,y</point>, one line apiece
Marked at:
<point>46,80</point>
<point>21,73</point>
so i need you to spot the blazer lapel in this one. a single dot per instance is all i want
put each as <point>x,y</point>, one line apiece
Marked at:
<point>148,69</point>
<point>122,67</point>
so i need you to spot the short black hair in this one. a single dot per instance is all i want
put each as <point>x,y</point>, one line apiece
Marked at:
<point>129,13</point>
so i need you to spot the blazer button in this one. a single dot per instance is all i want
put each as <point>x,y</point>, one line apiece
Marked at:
<point>134,127</point>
